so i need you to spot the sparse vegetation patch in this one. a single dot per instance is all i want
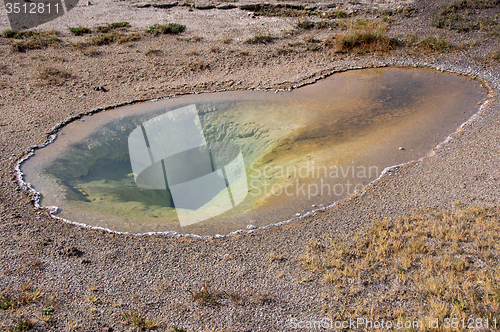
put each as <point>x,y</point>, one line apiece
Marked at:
<point>143,323</point>
<point>203,295</point>
<point>113,26</point>
<point>438,264</point>
<point>28,40</point>
<point>53,76</point>
<point>458,16</point>
<point>364,37</point>
<point>79,31</point>
<point>106,39</point>
<point>170,28</point>
<point>260,39</point>
<point>435,44</point>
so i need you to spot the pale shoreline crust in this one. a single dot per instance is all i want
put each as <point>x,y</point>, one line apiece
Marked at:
<point>129,271</point>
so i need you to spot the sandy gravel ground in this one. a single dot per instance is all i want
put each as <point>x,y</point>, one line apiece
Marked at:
<point>93,277</point>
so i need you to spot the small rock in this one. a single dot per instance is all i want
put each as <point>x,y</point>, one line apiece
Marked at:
<point>53,209</point>
<point>107,329</point>
<point>250,6</point>
<point>401,148</point>
<point>142,5</point>
<point>314,205</point>
<point>297,214</point>
<point>251,14</point>
<point>204,6</point>
<point>165,5</point>
<point>89,3</point>
<point>225,6</point>
<point>100,88</point>
<point>251,227</point>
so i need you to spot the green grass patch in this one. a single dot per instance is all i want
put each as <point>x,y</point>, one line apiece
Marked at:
<point>170,28</point>
<point>119,25</point>
<point>6,302</point>
<point>203,295</point>
<point>112,26</point>
<point>79,31</point>
<point>490,26</point>
<point>435,44</point>
<point>9,33</point>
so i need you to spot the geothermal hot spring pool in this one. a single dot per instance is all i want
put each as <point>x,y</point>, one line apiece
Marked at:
<point>215,163</point>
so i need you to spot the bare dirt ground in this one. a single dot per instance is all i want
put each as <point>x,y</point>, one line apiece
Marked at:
<point>94,281</point>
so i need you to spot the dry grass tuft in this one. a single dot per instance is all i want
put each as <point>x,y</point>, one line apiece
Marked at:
<point>29,40</point>
<point>495,55</point>
<point>429,44</point>
<point>435,265</point>
<point>260,39</point>
<point>91,51</point>
<point>53,76</point>
<point>273,257</point>
<point>113,26</point>
<point>262,298</point>
<point>365,37</point>
<point>25,296</point>
<point>153,52</point>
<point>108,38</point>
<point>204,295</point>
<point>143,323</point>
<point>215,48</point>
<point>227,40</point>
<point>197,66</point>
